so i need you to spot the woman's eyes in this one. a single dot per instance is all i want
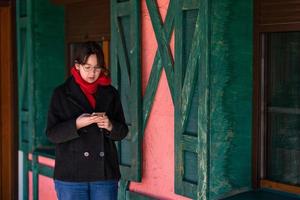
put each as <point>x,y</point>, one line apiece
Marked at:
<point>88,68</point>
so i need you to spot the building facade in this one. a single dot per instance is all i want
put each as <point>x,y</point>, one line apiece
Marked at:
<point>210,90</point>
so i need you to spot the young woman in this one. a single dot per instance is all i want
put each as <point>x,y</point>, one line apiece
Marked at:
<point>85,117</point>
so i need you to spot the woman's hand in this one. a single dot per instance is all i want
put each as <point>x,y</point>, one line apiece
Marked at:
<point>104,122</point>
<point>85,119</point>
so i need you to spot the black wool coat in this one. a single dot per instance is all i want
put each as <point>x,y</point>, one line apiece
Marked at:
<point>89,153</point>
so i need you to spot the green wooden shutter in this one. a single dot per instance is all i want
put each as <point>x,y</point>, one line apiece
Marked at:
<point>49,59</point>
<point>126,76</point>
<point>40,52</point>
<point>192,99</point>
<point>25,73</point>
<point>37,55</point>
<point>25,83</point>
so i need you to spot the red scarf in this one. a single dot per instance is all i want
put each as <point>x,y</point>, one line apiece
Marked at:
<point>89,89</point>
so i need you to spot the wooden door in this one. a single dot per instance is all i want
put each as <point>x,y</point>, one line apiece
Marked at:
<point>8,152</point>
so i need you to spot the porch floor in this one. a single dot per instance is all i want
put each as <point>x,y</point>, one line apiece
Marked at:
<point>262,195</point>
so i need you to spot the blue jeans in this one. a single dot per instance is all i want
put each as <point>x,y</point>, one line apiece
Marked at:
<point>99,190</point>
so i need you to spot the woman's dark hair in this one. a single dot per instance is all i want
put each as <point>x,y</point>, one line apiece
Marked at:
<point>85,49</point>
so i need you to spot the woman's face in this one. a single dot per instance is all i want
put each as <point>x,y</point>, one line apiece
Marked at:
<point>89,71</point>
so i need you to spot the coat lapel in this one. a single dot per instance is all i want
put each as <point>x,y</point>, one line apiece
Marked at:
<point>77,97</point>
<point>103,99</point>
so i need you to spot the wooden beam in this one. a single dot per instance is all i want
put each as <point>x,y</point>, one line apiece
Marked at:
<point>293,26</point>
<point>280,186</point>
<point>256,117</point>
<point>105,47</point>
<point>5,2</point>
<point>156,69</point>
<point>163,44</point>
<point>8,137</point>
<point>63,2</point>
<point>1,177</point>
<point>91,24</point>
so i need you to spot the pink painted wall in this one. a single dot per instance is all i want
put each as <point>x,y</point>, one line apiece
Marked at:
<point>158,143</point>
<point>46,185</point>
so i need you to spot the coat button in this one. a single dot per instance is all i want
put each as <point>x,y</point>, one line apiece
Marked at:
<point>86,154</point>
<point>101,154</point>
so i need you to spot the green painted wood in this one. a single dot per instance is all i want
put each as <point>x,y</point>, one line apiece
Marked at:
<point>126,76</point>
<point>123,9</point>
<point>22,72</point>
<point>190,4</point>
<point>222,140</point>
<point>46,171</point>
<point>24,61</point>
<point>35,176</point>
<point>135,55</point>
<point>113,46</point>
<point>156,70</point>
<point>123,186</point>
<point>151,88</point>
<point>189,190</point>
<point>162,42</point>
<point>189,143</point>
<point>30,76</point>
<point>122,56</point>
<point>177,101</point>
<point>49,58</point>
<point>137,196</point>
<point>41,169</point>
<point>204,102</point>
<point>254,195</point>
<point>40,51</point>
<point>48,152</point>
<point>231,97</point>
<point>26,169</point>
<point>190,76</point>
<point>191,154</point>
<point>22,22</point>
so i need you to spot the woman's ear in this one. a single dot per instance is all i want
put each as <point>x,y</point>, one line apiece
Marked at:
<point>77,66</point>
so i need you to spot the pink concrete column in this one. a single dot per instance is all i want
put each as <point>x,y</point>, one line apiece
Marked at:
<point>158,144</point>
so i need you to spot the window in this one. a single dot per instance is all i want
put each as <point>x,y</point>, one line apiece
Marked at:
<point>276,127</point>
<point>282,107</point>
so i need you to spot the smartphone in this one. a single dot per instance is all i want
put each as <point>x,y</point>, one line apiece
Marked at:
<point>100,114</point>
<point>86,115</point>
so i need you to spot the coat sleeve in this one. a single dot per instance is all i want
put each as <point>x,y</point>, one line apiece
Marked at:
<point>119,126</point>
<point>58,130</point>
